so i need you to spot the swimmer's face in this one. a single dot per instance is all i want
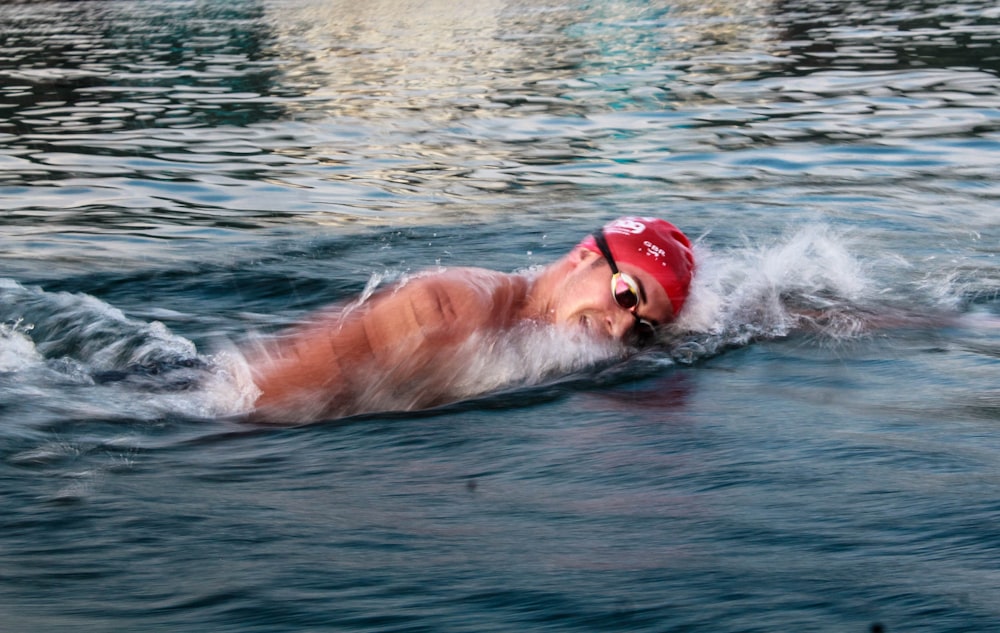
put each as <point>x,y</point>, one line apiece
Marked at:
<point>590,302</point>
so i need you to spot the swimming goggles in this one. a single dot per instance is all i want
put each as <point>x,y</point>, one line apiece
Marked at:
<point>626,292</point>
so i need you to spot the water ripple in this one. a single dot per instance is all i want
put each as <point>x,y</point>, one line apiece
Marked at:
<point>180,162</point>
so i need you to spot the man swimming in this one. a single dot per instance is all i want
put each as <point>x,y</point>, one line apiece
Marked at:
<point>420,343</point>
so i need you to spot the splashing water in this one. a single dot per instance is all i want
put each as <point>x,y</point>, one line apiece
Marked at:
<point>808,280</point>
<point>74,355</point>
<point>64,354</point>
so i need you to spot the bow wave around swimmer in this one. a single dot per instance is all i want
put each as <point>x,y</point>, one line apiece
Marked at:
<point>421,343</point>
<point>73,356</point>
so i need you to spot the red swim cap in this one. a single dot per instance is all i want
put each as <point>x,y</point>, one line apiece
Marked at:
<point>657,247</point>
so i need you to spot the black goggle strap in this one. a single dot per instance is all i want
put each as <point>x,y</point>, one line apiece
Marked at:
<point>644,330</point>
<point>602,245</point>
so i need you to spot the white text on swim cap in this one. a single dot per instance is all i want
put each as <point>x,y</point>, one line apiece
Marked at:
<point>626,226</point>
<point>653,250</point>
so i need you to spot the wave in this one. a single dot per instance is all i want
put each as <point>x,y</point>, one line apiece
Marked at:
<point>71,355</point>
<point>809,282</point>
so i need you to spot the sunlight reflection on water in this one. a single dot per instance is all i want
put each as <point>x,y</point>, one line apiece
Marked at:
<point>179,175</point>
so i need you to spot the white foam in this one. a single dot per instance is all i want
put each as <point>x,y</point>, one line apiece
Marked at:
<point>229,389</point>
<point>57,341</point>
<point>763,291</point>
<point>528,356</point>
<point>17,351</point>
<point>751,282</point>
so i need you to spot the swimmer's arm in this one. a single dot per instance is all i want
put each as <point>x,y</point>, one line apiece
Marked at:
<point>324,367</point>
<point>853,320</point>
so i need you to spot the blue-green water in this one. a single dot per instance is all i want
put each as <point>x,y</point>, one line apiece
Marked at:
<point>181,178</point>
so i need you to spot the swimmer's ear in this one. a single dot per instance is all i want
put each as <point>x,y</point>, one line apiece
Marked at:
<point>582,254</point>
<point>582,257</point>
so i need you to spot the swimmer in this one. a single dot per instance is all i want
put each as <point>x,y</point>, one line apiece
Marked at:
<point>403,348</point>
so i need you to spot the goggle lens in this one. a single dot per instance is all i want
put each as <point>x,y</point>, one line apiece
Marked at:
<point>625,290</point>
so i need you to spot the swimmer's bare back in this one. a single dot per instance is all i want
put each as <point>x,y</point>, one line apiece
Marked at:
<point>391,352</point>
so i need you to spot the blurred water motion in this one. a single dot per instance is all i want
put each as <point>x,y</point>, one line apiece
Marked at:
<point>179,176</point>
<point>330,110</point>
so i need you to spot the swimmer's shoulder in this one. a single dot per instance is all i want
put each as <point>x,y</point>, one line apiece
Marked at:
<point>477,296</point>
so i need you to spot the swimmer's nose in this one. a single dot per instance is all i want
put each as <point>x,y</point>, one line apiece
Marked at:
<point>619,323</point>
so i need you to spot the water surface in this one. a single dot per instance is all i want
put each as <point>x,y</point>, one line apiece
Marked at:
<point>178,178</point>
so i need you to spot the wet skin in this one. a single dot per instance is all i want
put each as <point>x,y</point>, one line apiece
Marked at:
<point>397,350</point>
